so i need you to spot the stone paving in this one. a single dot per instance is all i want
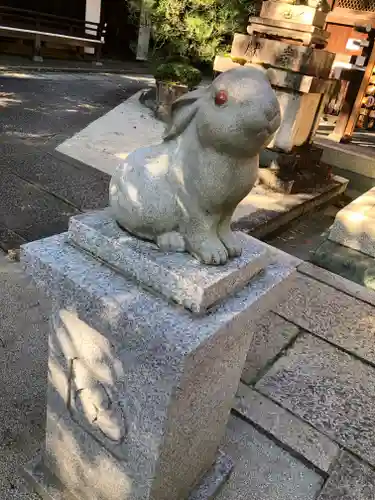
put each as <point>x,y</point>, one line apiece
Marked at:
<point>10,64</point>
<point>303,419</point>
<point>40,188</point>
<point>314,394</point>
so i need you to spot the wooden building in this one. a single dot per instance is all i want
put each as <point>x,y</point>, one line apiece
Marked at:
<point>352,27</point>
<point>78,18</point>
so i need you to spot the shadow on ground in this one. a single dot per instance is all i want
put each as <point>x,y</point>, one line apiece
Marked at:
<point>40,189</point>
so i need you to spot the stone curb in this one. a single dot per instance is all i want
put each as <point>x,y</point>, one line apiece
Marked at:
<point>53,69</point>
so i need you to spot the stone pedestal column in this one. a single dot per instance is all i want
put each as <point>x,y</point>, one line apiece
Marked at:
<point>289,37</point>
<point>145,355</point>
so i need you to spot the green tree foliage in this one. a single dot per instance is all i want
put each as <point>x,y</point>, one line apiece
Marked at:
<point>198,29</point>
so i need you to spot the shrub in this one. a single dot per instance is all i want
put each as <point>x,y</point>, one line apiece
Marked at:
<point>177,59</point>
<point>178,72</point>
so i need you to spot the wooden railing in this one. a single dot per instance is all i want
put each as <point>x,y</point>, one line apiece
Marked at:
<point>42,27</point>
<point>29,19</point>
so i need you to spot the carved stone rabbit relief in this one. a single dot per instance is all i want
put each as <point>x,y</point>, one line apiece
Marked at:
<point>182,193</point>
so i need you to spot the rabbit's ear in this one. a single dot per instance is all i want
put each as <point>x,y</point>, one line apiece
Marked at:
<point>183,111</point>
<point>271,74</point>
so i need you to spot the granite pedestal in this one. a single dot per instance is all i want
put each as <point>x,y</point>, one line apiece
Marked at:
<point>145,356</point>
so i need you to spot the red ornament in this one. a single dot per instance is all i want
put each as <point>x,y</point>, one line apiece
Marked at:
<point>221,97</point>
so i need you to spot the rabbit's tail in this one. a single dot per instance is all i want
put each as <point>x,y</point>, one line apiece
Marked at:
<point>171,242</point>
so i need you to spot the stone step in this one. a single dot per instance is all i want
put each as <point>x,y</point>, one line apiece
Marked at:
<point>289,430</point>
<point>329,389</point>
<point>271,335</point>
<point>331,314</point>
<point>263,470</point>
<point>354,225</point>
<point>349,479</point>
<point>347,263</point>
<point>336,280</point>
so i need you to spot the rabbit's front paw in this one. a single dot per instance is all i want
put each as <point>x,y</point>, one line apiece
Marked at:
<point>230,242</point>
<point>209,251</point>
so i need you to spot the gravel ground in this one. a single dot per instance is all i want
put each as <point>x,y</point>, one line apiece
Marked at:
<point>23,371</point>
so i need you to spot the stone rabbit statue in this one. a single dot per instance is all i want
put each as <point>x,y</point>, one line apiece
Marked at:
<point>182,193</point>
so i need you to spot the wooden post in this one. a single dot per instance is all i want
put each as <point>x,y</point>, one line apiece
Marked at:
<point>37,57</point>
<point>144,34</point>
<point>93,14</point>
<point>354,82</point>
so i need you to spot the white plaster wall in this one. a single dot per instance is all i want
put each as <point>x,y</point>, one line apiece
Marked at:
<point>93,9</point>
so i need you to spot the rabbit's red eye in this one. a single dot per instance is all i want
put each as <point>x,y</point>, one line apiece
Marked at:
<point>221,97</point>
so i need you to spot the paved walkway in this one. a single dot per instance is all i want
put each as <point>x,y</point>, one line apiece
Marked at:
<point>311,382</point>
<point>18,64</point>
<point>40,188</point>
<point>303,420</point>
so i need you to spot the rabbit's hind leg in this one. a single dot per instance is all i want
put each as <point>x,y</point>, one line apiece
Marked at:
<point>171,242</point>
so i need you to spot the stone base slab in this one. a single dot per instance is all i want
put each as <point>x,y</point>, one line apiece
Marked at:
<point>352,158</point>
<point>301,83</point>
<point>48,487</point>
<point>338,282</point>
<point>177,276</point>
<point>301,14</point>
<point>295,434</point>
<point>284,79</point>
<point>275,32</point>
<point>290,25</point>
<point>303,33</point>
<point>305,60</point>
